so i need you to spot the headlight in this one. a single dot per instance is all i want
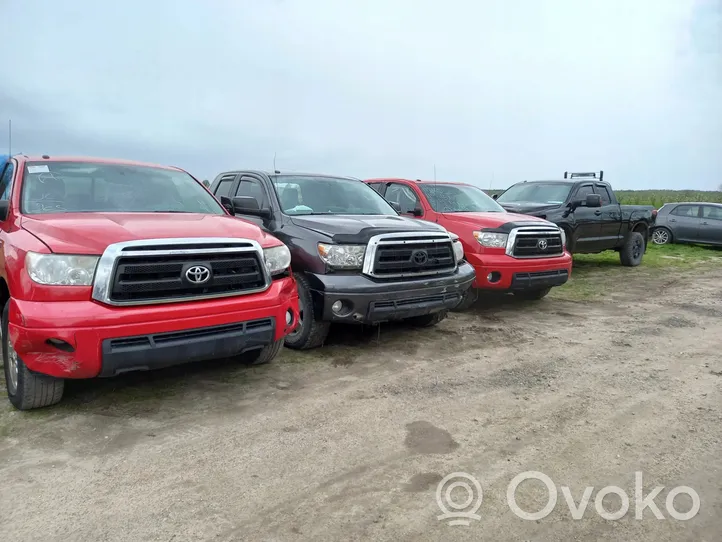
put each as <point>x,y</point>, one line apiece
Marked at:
<point>564,237</point>
<point>491,239</point>
<point>458,249</point>
<point>61,269</point>
<point>278,259</point>
<point>342,256</point>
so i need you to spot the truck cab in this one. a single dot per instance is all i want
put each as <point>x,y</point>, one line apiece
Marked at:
<point>110,266</point>
<point>509,252</point>
<point>355,259</point>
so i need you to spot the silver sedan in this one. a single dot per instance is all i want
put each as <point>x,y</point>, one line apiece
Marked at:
<point>688,222</point>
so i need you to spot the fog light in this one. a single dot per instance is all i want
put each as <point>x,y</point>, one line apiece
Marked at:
<point>490,276</point>
<point>337,306</point>
<point>289,317</point>
<point>493,277</point>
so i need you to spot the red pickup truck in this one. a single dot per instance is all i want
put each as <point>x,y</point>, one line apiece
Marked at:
<point>510,252</point>
<point>110,266</point>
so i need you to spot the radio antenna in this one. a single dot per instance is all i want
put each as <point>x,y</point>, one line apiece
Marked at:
<point>274,161</point>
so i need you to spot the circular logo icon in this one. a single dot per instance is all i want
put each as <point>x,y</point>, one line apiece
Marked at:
<point>542,244</point>
<point>198,274</point>
<point>463,510</point>
<point>419,257</point>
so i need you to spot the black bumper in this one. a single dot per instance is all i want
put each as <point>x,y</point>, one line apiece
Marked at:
<point>369,301</point>
<point>145,352</point>
<point>539,280</point>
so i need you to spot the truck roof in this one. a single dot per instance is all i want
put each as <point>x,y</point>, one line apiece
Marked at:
<point>417,181</point>
<point>289,174</point>
<point>88,160</point>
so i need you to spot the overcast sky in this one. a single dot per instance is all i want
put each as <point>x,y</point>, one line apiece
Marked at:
<point>488,91</point>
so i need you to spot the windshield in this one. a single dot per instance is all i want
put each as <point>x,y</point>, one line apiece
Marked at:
<point>536,193</point>
<point>88,187</point>
<point>459,198</point>
<point>310,195</point>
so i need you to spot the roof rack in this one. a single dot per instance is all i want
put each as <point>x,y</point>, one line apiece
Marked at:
<point>592,174</point>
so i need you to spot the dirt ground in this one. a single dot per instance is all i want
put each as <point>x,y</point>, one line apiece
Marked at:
<point>349,442</point>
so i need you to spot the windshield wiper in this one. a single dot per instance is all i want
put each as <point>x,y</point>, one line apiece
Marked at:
<point>171,211</point>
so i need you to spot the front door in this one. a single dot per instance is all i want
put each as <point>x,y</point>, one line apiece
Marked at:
<point>587,231</point>
<point>610,218</point>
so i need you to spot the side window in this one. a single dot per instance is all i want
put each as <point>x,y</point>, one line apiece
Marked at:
<point>604,192</point>
<point>404,196</point>
<point>690,211</point>
<point>583,191</point>
<point>6,182</point>
<point>224,187</point>
<point>379,187</point>
<point>253,188</point>
<point>712,212</point>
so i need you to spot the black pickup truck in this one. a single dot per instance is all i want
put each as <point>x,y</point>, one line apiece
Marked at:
<point>354,258</point>
<point>585,207</point>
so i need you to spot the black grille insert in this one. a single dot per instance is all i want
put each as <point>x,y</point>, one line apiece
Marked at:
<point>537,243</point>
<point>417,258</point>
<point>160,277</point>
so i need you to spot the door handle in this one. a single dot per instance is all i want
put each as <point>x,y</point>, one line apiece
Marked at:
<point>597,213</point>
<point>705,223</point>
<point>673,220</point>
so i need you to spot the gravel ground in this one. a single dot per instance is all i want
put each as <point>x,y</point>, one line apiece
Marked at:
<point>350,441</point>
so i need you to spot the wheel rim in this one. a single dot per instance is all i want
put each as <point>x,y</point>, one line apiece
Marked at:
<point>660,237</point>
<point>637,249</point>
<point>12,362</point>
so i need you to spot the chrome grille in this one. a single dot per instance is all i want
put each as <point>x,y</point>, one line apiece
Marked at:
<point>156,271</point>
<point>398,255</point>
<point>535,242</point>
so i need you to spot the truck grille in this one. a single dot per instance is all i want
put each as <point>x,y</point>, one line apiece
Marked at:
<point>164,272</point>
<point>412,255</point>
<point>536,242</point>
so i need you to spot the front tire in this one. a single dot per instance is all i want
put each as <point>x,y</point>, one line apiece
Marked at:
<point>532,295</point>
<point>661,236</point>
<point>26,389</point>
<point>264,355</point>
<point>467,300</point>
<point>633,250</point>
<point>310,332</point>
<point>427,320</point>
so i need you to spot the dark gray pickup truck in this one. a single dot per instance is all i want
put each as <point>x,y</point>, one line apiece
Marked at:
<point>585,207</point>
<point>354,258</point>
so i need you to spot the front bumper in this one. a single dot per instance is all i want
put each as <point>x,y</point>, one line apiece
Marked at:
<point>85,339</point>
<point>515,274</point>
<point>370,301</point>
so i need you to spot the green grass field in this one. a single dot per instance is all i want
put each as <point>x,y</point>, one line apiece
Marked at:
<point>594,275</point>
<point>656,197</point>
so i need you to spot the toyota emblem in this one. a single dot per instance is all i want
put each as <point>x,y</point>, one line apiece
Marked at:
<point>198,274</point>
<point>542,244</point>
<point>419,257</point>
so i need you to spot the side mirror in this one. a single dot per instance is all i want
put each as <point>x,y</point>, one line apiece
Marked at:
<point>495,196</point>
<point>4,208</point>
<point>418,211</point>
<point>248,205</point>
<point>206,183</point>
<point>593,200</point>
<point>227,204</point>
<point>396,206</point>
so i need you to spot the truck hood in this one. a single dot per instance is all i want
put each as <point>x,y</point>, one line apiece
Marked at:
<point>490,220</point>
<point>356,229</point>
<point>529,207</point>
<point>91,233</point>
